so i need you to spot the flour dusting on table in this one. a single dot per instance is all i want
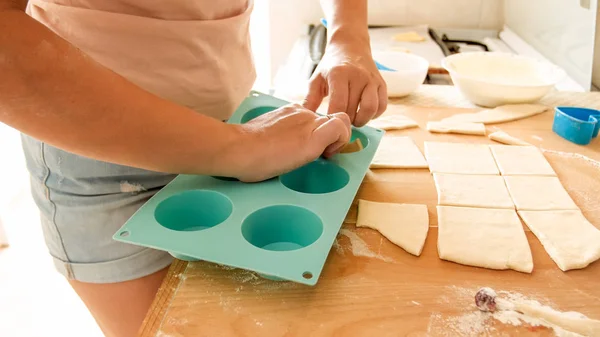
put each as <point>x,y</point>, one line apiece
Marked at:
<point>472,322</point>
<point>587,159</point>
<point>360,248</point>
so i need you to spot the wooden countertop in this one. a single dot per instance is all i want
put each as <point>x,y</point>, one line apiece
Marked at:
<point>370,287</point>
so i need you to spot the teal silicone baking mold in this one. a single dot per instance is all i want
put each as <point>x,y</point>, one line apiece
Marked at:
<point>282,228</point>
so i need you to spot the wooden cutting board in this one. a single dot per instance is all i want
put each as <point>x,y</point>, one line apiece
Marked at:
<point>370,287</point>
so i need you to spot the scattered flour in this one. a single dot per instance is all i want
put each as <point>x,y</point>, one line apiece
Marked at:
<point>127,187</point>
<point>475,322</point>
<point>587,159</point>
<point>338,248</point>
<point>360,248</point>
<point>162,334</point>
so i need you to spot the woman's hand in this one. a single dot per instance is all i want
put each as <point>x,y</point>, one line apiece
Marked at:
<point>348,75</point>
<point>287,138</point>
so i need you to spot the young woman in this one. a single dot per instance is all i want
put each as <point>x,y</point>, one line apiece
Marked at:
<point>114,98</point>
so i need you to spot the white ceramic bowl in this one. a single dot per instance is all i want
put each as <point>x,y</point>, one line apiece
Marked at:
<point>490,79</point>
<point>410,73</point>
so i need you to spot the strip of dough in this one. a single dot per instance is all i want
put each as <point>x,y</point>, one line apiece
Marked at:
<point>465,128</point>
<point>521,160</point>
<point>485,191</point>
<point>501,114</point>
<point>393,122</point>
<point>481,237</point>
<point>405,225</point>
<point>505,138</point>
<point>567,236</point>
<point>398,152</point>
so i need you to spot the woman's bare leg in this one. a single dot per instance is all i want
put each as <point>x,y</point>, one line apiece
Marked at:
<point>120,308</point>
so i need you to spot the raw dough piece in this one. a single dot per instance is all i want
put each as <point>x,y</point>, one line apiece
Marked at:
<point>457,127</point>
<point>393,122</point>
<point>405,225</point>
<point>486,191</point>
<point>460,158</point>
<point>354,146</point>
<point>567,236</point>
<point>537,193</point>
<point>488,238</point>
<point>505,138</point>
<point>521,160</point>
<point>408,37</point>
<point>501,114</point>
<point>398,152</point>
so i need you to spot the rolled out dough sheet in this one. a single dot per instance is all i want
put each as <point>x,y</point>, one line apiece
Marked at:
<point>521,160</point>
<point>538,193</point>
<point>477,129</point>
<point>460,158</point>
<point>500,114</point>
<point>398,152</point>
<point>505,138</point>
<point>405,225</point>
<point>567,236</point>
<point>484,191</point>
<point>487,238</point>
<point>393,122</point>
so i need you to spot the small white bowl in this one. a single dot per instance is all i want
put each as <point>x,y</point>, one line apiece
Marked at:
<point>410,73</point>
<point>490,79</point>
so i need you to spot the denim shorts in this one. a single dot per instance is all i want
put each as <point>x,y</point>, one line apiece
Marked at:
<point>82,203</point>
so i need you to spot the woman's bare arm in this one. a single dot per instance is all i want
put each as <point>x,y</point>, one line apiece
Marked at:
<point>54,92</point>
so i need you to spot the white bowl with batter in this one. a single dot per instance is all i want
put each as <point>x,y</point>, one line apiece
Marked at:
<point>490,79</point>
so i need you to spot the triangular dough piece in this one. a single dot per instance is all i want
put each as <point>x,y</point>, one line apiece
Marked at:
<point>393,122</point>
<point>501,114</point>
<point>354,146</point>
<point>405,225</point>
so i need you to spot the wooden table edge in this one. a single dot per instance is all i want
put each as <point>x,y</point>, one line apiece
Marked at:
<point>165,293</point>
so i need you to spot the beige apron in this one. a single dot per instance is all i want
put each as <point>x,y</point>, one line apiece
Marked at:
<point>193,52</point>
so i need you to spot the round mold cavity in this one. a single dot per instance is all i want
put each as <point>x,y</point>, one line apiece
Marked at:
<point>364,140</point>
<point>253,113</point>
<point>193,210</point>
<point>318,177</point>
<point>282,228</point>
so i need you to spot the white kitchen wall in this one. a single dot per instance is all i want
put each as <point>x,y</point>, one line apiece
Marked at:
<point>288,19</point>
<point>561,30</point>
<point>596,63</point>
